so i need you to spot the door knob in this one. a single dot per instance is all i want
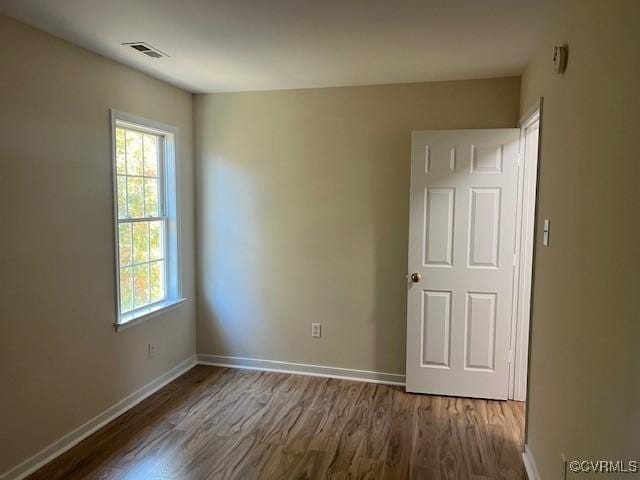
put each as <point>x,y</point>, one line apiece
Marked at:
<point>416,277</point>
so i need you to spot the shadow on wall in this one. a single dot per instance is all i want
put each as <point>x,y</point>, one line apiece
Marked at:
<point>317,237</point>
<point>390,181</point>
<point>230,263</point>
<point>303,215</point>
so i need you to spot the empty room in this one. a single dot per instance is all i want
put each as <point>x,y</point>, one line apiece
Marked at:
<point>342,239</point>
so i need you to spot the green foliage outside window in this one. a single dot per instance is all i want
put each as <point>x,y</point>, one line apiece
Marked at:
<point>142,260</point>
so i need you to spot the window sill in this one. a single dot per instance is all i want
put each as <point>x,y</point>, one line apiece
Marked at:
<point>142,315</point>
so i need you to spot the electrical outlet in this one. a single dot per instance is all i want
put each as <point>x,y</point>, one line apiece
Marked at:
<point>316,330</point>
<point>564,467</point>
<point>151,350</point>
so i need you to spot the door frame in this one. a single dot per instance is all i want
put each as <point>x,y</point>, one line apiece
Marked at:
<point>523,272</point>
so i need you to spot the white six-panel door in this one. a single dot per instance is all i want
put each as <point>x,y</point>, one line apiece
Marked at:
<point>461,246</point>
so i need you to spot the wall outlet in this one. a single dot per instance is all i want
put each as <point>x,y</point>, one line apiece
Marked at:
<point>564,467</point>
<point>151,350</point>
<point>316,330</point>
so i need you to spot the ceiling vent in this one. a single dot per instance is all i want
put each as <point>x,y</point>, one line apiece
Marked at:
<point>147,49</point>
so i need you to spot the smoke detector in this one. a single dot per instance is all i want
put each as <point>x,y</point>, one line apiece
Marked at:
<point>560,54</point>
<point>146,49</point>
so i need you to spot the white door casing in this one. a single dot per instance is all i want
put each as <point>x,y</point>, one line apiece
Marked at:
<point>525,226</point>
<point>461,243</point>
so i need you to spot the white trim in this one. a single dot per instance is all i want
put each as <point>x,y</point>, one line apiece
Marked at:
<point>530,464</point>
<point>523,255</point>
<point>302,369</point>
<point>150,311</point>
<point>71,439</point>
<point>171,213</point>
<point>533,110</point>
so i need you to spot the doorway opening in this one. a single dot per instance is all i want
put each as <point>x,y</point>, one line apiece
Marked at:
<point>530,135</point>
<point>524,249</point>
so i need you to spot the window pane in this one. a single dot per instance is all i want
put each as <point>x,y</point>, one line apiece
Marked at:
<point>156,278</point>
<point>122,196</point>
<point>121,166</point>
<point>140,242</point>
<point>151,155</point>
<point>151,197</point>
<point>124,243</point>
<point>141,183</point>
<point>126,289</point>
<point>156,240</point>
<point>141,285</point>
<point>135,198</point>
<point>134,152</point>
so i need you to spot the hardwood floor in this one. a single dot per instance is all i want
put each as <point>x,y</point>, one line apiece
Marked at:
<point>219,423</point>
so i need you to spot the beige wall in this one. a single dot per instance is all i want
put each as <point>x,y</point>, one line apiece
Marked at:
<point>302,214</point>
<point>585,365</point>
<point>61,362</point>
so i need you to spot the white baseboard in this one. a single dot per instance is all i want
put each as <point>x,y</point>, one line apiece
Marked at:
<point>302,369</point>
<point>530,464</point>
<point>76,436</point>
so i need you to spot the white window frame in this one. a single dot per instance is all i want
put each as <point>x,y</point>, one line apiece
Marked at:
<point>168,173</point>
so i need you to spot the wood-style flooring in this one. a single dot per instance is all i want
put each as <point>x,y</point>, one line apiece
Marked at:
<point>220,423</point>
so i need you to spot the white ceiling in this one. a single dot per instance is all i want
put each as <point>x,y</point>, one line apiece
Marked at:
<point>239,45</point>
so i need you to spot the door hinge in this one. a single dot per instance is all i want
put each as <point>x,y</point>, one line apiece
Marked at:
<point>510,356</point>
<point>515,259</point>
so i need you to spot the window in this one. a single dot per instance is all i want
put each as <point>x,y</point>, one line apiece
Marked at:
<point>146,218</point>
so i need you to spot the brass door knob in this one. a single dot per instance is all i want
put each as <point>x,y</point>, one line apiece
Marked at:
<point>416,277</point>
